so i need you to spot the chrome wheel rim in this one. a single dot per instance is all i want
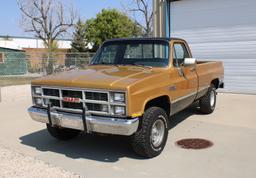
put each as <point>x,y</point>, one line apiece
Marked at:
<point>157,132</point>
<point>212,98</point>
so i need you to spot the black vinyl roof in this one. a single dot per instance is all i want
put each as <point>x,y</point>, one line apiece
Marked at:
<point>142,39</point>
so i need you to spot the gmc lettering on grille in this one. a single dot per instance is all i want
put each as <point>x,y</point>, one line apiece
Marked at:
<point>71,100</point>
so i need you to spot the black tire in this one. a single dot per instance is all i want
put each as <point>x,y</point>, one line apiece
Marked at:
<point>62,133</point>
<point>207,103</point>
<point>141,140</point>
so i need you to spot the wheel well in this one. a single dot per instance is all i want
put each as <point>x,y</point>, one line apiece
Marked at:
<point>216,83</point>
<point>162,102</point>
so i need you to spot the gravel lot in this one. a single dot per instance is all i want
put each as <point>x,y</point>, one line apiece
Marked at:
<point>14,164</point>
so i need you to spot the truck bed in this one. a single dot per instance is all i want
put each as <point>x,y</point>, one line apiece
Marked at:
<point>209,70</point>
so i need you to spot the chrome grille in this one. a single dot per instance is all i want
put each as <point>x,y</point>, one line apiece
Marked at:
<point>51,92</point>
<point>72,105</point>
<point>74,100</point>
<point>96,96</point>
<point>94,107</point>
<point>72,94</point>
<point>55,103</point>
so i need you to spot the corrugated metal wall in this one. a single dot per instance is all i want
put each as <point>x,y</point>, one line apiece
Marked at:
<point>221,30</point>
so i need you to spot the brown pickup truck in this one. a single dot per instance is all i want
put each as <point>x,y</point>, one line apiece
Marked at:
<point>132,87</point>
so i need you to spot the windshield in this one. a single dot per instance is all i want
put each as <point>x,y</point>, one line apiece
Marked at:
<point>148,53</point>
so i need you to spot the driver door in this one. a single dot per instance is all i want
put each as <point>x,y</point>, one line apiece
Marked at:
<point>187,78</point>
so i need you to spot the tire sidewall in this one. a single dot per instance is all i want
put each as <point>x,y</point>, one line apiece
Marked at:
<point>212,89</point>
<point>162,145</point>
<point>205,101</point>
<point>156,116</point>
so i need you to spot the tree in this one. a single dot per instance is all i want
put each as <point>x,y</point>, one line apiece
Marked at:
<point>141,12</point>
<point>79,43</point>
<point>46,19</point>
<point>48,65</point>
<point>79,47</point>
<point>109,24</point>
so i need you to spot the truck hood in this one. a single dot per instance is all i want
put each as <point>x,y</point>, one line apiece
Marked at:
<point>99,77</point>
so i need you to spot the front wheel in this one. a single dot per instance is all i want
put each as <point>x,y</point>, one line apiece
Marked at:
<point>149,141</point>
<point>62,133</point>
<point>208,102</point>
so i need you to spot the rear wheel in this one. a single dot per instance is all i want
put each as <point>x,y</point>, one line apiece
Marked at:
<point>150,140</point>
<point>62,133</point>
<point>208,102</point>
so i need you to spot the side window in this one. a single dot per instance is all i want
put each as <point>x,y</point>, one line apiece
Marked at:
<point>180,53</point>
<point>1,58</point>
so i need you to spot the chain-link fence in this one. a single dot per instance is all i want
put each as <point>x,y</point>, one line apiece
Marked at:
<point>21,67</point>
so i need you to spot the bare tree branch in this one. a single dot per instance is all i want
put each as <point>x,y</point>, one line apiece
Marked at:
<point>143,9</point>
<point>46,19</point>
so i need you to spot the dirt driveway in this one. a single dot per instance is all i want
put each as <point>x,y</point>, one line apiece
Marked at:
<point>232,129</point>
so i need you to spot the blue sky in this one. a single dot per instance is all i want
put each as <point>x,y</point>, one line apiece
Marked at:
<point>10,14</point>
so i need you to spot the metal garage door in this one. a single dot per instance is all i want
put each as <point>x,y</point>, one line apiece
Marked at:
<point>221,30</point>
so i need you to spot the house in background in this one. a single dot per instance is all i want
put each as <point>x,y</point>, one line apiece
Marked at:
<point>12,62</point>
<point>15,42</point>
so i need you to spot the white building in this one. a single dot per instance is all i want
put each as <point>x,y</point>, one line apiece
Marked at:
<point>216,30</point>
<point>27,42</point>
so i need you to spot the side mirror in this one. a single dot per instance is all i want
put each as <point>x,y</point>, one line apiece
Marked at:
<point>189,62</point>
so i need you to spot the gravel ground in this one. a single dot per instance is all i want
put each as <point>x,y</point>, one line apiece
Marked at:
<point>14,164</point>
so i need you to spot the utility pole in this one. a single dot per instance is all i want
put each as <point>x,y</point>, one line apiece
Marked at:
<point>161,18</point>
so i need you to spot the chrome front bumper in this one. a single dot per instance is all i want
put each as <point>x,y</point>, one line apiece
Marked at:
<point>97,124</point>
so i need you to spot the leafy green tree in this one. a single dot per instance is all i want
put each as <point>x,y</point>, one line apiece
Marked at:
<point>110,24</point>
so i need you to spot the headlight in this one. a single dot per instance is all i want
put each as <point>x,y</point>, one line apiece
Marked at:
<point>38,90</point>
<point>117,102</point>
<point>38,101</point>
<point>119,110</point>
<point>119,97</point>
